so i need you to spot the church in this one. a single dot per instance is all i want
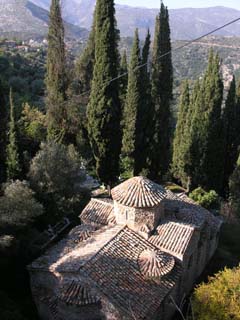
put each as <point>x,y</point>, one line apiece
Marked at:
<point>135,255</point>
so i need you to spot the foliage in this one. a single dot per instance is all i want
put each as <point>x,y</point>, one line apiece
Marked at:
<point>85,63</point>
<point>146,124</point>
<point>24,72</point>
<point>56,81</point>
<point>131,141</point>
<point>231,119</point>
<point>181,137</point>
<point>219,299</point>
<point>54,169</point>
<point>103,110</point>
<point>18,206</point>
<point>3,133</point>
<point>123,81</point>
<point>162,85</point>
<point>13,166</point>
<point>33,123</point>
<point>208,200</point>
<point>206,135</point>
<point>234,189</point>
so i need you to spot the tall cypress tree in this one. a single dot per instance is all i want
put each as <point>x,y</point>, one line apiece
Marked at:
<point>85,63</point>
<point>13,166</point>
<point>3,134</point>
<point>162,84</point>
<point>103,110</point>
<point>146,128</point>
<point>232,132</point>
<point>123,81</point>
<point>181,136</point>
<point>130,141</point>
<point>56,74</point>
<point>207,130</point>
<point>234,188</point>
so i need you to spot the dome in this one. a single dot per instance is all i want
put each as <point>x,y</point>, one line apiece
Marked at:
<point>155,263</point>
<point>139,192</point>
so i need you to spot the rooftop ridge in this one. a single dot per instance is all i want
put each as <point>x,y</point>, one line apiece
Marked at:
<point>139,192</point>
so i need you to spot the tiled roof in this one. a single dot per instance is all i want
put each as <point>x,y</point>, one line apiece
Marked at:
<point>115,271</point>
<point>155,263</point>
<point>173,237</point>
<point>190,212</point>
<point>70,255</point>
<point>98,211</point>
<point>76,294</point>
<point>139,192</point>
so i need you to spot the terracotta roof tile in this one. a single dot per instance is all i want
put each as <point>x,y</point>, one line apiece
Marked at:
<point>98,211</point>
<point>116,273</point>
<point>190,212</point>
<point>173,237</point>
<point>139,192</point>
<point>76,294</point>
<point>155,263</point>
<point>70,254</point>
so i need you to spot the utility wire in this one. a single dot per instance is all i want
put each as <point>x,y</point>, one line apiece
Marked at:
<point>169,52</point>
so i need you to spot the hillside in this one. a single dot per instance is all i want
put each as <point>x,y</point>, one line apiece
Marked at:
<point>23,19</point>
<point>187,23</point>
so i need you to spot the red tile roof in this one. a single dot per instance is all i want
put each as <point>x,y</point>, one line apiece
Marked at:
<point>115,271</point>
<point>173,237</point>
<point>77,294</point>
<point>98,211</point>
<point>139,192</point>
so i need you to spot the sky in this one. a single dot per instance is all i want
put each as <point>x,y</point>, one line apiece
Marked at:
<point>172,4</point>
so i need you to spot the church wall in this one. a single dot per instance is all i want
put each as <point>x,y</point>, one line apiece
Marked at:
<point>124,215</point>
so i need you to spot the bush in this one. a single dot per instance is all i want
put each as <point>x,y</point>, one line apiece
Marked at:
<point>18,206</point>
<point>54,173</point>
<point>208,200</point>
<point>55,169</point>
<point>219,299</point>
<point>33,124</point>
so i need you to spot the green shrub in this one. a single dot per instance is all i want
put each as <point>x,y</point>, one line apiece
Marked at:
<point>208,200</point>
<point>56,174</point>
<point>18,206</point>
<point>219,299</point>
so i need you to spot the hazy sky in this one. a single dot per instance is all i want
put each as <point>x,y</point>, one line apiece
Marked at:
<point>182,3</point>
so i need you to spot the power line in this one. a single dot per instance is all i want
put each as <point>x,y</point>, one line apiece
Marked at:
<point>169,52</point>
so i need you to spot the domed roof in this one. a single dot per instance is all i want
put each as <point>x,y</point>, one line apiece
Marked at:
<point>139,192</point>
<point>155,263</point>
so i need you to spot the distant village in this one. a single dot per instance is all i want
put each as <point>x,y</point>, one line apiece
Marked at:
<point>37,45</point>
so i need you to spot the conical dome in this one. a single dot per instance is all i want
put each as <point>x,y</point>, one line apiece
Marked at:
<point>139,192</point>
<point>155,264</point>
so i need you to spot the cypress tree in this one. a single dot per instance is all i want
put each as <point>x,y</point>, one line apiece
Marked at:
<point>13,166</point>
<point>232,132</point>
<point>123,81</point>
<point>147,112</point>
<point>103,110</point>
<point>131,142</point>
<point>207,130</point>
<point>162,84</point>
<point>56,82</point>
<point>234,188</point>
<point>181,135</point>
<point>3,134</point>
<point>85,63</point>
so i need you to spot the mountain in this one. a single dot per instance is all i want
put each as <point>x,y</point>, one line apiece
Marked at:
<point>187,23</point>
<point>24,19</point>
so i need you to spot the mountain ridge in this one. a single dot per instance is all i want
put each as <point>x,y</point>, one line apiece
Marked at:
<point>24,19</point>
<point>186,23</point>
